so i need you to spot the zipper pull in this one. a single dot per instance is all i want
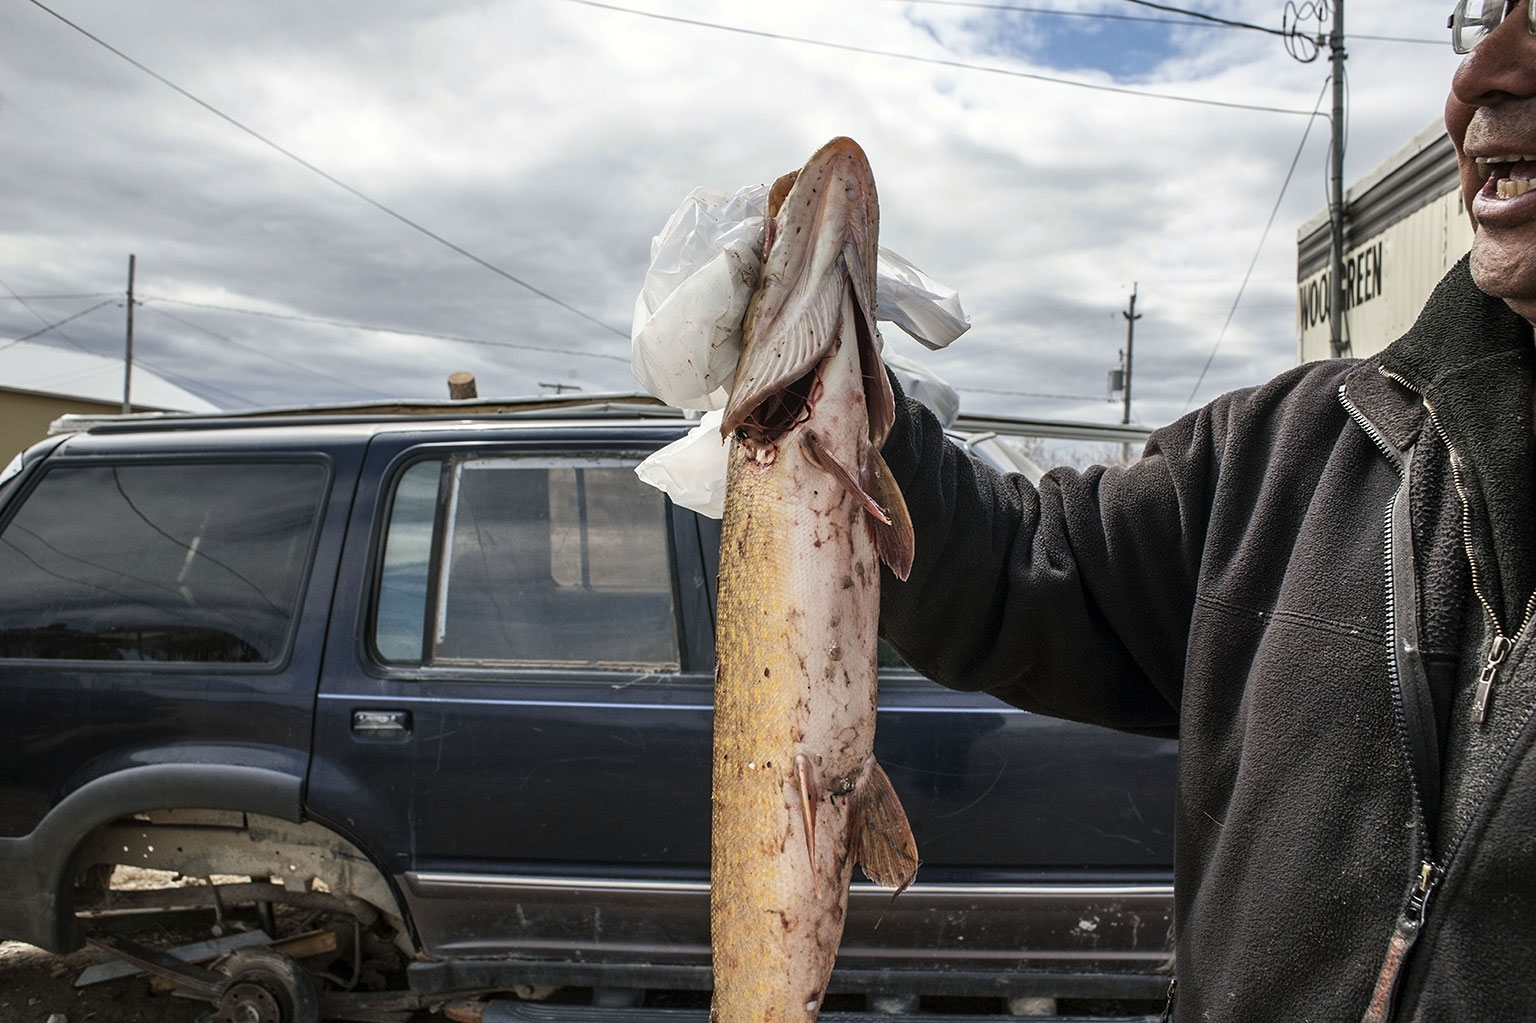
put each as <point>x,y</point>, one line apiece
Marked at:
<point>1429,876</point>
<point>1383,1003</point>
<point>1496,654</point>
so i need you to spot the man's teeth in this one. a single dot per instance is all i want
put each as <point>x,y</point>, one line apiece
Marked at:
<point>1507,187</point>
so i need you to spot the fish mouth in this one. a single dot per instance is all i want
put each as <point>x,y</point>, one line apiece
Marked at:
<point>1506,176</point>
<point>820,247</point>
<point>781,411</point>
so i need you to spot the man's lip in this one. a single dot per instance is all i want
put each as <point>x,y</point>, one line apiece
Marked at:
<point>1490,208</point>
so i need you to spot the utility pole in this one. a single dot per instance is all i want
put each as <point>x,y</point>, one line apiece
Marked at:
<point>128,355</point>
<point>1131,316</point>
<point>1336,188</point>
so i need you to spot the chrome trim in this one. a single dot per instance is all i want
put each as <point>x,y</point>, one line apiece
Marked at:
<point>999,709</point>
<point>429,880</point>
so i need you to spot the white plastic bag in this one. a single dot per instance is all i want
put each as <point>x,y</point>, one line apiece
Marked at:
<point>917,303</point>
<point>705,264</point>
<point>686,334</point>
<point>691,470</point>
<point>704,268</point>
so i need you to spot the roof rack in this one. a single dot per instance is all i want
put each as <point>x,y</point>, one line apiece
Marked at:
<point>631,405</point>
<point>618,403</point>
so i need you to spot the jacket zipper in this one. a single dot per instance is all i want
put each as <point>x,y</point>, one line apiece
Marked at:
<point>1501,644</point>
<point>1410,920</point>
<point>1413,737</point>
<point>1173,988</point>
<point>1496,654</point>
<point>1409,923</point>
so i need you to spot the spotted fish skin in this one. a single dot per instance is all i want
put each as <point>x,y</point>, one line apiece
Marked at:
<point>810,513</point>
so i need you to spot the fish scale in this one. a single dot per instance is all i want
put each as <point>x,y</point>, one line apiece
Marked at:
<point>809,515</point>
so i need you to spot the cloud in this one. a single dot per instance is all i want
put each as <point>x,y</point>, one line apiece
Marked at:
<point>552,139</point>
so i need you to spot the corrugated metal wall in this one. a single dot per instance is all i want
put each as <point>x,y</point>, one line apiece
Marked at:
<point>1387,279</point>
<point>1406,227</point>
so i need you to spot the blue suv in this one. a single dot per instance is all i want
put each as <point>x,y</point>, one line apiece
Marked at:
<point>437,680</point>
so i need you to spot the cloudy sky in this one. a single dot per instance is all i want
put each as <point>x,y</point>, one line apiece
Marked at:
<point>551,139</point>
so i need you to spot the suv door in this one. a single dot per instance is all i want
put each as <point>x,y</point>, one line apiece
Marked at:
<point>521,724</point>
<point>159,644</point>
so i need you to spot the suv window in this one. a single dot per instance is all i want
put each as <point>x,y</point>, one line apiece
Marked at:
<point>526,563</point>
<point>191,562</point>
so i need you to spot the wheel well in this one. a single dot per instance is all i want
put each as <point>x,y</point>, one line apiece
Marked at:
<point>189,856</point>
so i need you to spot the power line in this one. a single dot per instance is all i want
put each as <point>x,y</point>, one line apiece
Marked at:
<point>1213,19</point>
<point>310,370</point>
<point>159,370</point>
<point>1254,262</point>
<point>40,317</point>
<point>42,298</point>
<point>408,222</point>
<point>938,61</point>
<point>1398,39</point>
<point>1056,12</point>
<point>192,383</point>
<point>390,330</point>
<point>58,323</point>
<point>1106,16</point>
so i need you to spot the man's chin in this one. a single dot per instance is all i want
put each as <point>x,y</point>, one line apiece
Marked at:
<point>1505,271</point>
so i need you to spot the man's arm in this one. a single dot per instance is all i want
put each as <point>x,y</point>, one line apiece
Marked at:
<point>1072,600</point>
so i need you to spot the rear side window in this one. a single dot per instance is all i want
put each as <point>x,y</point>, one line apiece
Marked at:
<point>526,563</point>
<point>177,562</point>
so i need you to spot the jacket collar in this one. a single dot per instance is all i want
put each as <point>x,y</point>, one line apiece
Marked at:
<point>1470,360</point>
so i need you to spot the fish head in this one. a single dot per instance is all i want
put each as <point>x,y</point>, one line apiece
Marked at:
<point>821,242</point>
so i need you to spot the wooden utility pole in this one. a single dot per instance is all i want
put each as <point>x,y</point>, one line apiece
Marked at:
<point>1131,316</point>
<point>128,354</point>
<point>1336,189</point>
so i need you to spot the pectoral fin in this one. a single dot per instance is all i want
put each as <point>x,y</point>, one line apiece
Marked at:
<point>882,839</point>
<point>818,455</point>
<point>877,491</point>
<point>893,535</point>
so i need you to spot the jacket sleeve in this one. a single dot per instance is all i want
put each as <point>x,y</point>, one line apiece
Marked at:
<point>1073,599</point>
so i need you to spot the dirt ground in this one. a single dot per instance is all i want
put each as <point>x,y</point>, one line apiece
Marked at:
<point>37,987</point>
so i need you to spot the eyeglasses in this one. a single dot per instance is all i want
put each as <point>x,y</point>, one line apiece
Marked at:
<point>1474,20</point>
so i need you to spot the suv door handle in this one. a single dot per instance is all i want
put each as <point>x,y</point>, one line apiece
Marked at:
<point>381,724</point>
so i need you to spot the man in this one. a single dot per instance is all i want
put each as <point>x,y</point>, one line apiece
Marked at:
<point>1323,586</point>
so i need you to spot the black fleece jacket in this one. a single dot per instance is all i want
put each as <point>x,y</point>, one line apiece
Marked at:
<point>1255,586</point>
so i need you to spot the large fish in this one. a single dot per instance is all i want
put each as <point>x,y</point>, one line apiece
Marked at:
<point>810,511</point>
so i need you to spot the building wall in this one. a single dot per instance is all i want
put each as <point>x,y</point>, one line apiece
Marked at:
<point>1388,278</point>
<point>24,417</point>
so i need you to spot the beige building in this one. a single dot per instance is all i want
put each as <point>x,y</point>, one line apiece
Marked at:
<point>40,383</point>
<point>1405,226</point>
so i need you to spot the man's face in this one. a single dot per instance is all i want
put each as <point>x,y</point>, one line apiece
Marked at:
<point>1491,117</point>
